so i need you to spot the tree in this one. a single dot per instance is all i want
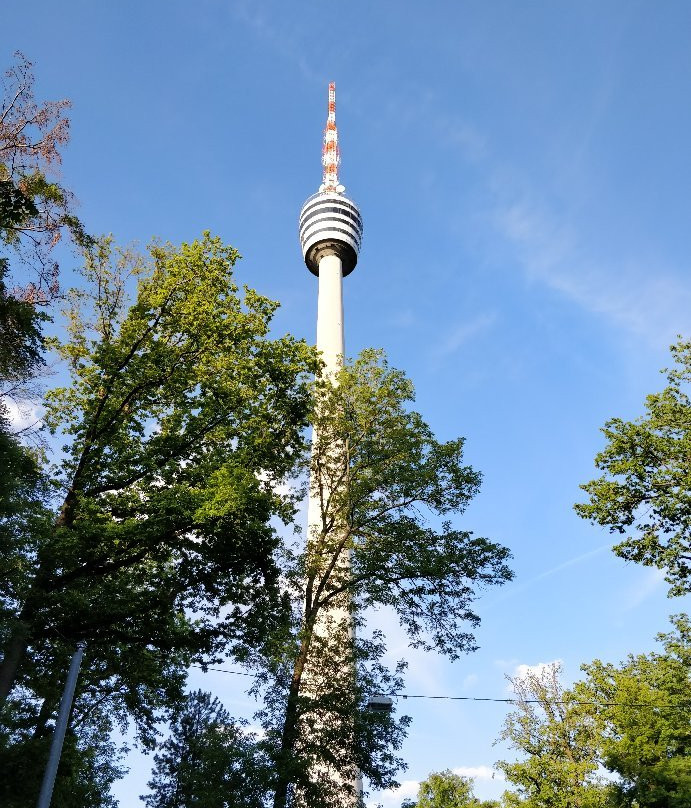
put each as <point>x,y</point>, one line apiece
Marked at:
<point>559,739</point>
<point>89,763</point>
<point>377,474</point>
<point>155,545</point>
<point>35,209</point>
<point>644,706</point>
<point>645,491</point>
<point>209,761</point>
<point>447,790</point>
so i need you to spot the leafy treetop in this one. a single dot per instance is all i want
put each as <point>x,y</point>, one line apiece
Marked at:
<point>644,493</point>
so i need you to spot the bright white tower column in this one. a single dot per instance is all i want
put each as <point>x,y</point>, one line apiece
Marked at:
<point>330,235</point>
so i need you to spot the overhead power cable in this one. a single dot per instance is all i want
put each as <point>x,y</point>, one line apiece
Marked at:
<point>684,705</point>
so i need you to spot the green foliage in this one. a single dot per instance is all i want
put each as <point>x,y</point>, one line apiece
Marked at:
<point>645,491</point>
<point>209,761</point>
<point>152,540</point>
<point>396,477</point>
<point>447,790</point>
<point>443,790</point>
<point>631,719</point>
<point>644,719</point>
<point>15,209</point>
<point>89,763</point>
<point>558,739</point>
<point>377,475</point>
<point>21,343</point>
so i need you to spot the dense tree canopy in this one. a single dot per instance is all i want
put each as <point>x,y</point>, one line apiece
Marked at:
<point>90,761</point>
<point>631,719</point>
<point>381,484</point>
<point>447,790</point>
<point>558,741</point>
<point>208,761</point>
<point>644,493</point>
<point>644,720</point>
<point>152,538</point>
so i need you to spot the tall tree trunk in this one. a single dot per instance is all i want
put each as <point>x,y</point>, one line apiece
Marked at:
<point>14,653</point>
<point>289,734</point>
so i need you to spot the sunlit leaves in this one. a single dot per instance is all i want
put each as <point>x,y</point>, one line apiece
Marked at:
<point>645,491</point>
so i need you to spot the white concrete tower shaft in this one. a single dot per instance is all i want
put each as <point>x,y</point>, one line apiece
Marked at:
<point>330,235</point>
<point>330,333</point>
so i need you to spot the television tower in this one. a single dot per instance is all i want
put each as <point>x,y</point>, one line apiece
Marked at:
<point>330,235</point>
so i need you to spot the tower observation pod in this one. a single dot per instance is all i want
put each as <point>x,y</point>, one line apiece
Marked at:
<point>330,235</point>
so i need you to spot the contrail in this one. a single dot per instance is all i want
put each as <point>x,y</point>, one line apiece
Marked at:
<point>507,593</point>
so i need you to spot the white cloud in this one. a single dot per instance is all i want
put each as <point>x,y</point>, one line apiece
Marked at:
<point>393,797</point>
<point>22,414</point>
<point>521,671</point>
<point>479,772</point>
<point>470,681</point>
<point>253,729</point>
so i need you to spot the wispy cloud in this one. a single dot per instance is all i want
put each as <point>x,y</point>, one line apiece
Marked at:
<point>392,797</point>
<point>461,334</point>
<point>636,291</point>
<point>641,296</point>
<point>639,593</point>
<point>425,671</point>
<point>469,681</point>
<point>404,318</point>
<point>287,45</point>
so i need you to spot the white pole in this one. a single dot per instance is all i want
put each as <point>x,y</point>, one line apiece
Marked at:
<point>60,729</point>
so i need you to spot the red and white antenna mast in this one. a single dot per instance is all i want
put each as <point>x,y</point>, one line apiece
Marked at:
<point>331,155</point>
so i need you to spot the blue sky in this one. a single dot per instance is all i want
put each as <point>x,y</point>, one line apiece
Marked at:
<point>523,171</point>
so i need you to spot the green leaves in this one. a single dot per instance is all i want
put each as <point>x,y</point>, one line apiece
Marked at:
<point>558,739</point>
<point>631,719</point>
<point>645,491</point>
<point>386,475</point>
<point>186,375</point>
<point>209,761</point>
<point>645,732</point>
<point>180,421</point>
<point>447,790</point>
<point>379,481</point>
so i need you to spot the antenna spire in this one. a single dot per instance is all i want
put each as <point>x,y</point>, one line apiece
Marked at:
<point>331,155</point>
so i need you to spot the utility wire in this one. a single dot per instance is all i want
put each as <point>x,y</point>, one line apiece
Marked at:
<point>684,705</point>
